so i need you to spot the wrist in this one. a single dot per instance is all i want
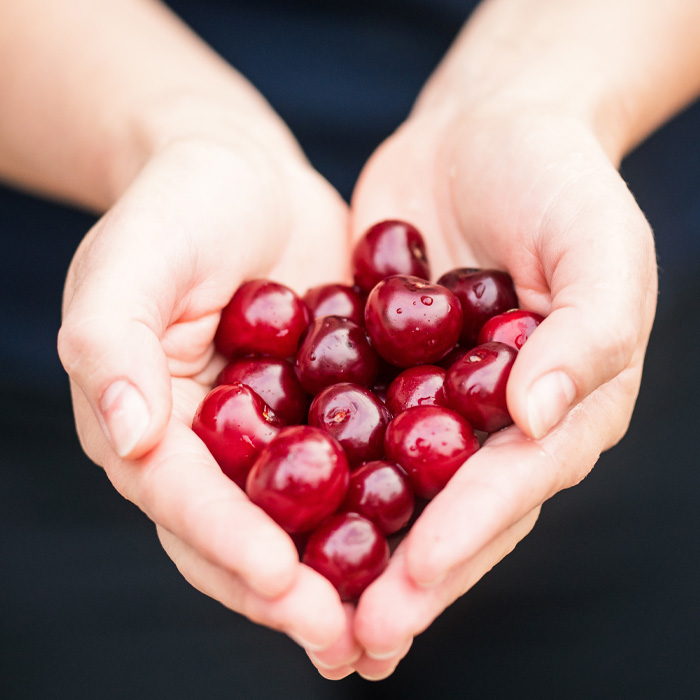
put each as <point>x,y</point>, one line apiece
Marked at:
<point>240,122</point>
<point>616,67</point>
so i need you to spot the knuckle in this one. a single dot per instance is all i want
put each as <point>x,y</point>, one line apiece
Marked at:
<point>77,342</point>
<point>69,345</point>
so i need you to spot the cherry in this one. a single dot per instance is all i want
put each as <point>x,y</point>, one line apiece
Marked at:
<point>354,417</point>
<point>336,300</point>
<point>381,492</point>
<point>262,318</point>
<point>482,294</point>
<point>411,321</point>
<point>475,386</point>
<point>512,327</point>
<point>274,381</point>
<point>235,424</point>
<point>349,551</point>
<point>389,248</point>
<point>431,443</point>
<point>335,350</point>
<point>300,478</point>
<point>416,386</point>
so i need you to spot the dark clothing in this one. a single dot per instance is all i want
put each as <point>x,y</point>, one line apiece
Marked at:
<point>601,600</point>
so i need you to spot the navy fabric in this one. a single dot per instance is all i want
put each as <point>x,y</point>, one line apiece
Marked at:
<point>600,600</point>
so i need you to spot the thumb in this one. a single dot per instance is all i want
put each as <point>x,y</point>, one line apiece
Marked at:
<point>589,266</point>
<point>597,258</point>
<point>109,343</point>
<point>146,286</point>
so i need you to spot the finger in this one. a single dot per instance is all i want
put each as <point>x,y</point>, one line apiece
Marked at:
<point>309,612</point>
<point>155,272</point>
<point>377,669</point>
<point>335,674</point>
<point>393,610</point>
<point>341,656</point>
<point>509,477</point>
<point>180,487</point>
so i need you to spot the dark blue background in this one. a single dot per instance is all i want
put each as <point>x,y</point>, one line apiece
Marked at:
<point>602,598</point>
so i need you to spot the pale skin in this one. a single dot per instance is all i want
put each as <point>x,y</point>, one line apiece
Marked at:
<point>509,159</point>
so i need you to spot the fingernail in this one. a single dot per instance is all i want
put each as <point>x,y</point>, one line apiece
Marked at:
<point>320,664</point>
<point>385,655</point>
<point>125,415</point>
<point>548,400</point>
<point>306,645</point>
<point>433,583</point>
<point>378,677</point>
<point>336,674</point>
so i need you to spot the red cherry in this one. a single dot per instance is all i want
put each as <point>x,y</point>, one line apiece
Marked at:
<point>235,424</point>
<point>335,350</point>
<point>431,443</point>
<point>300,478</point>
<point>354,417</point>
<point>262,318</point>
<point>381,492</point>
<point>475,386</point>
<point>349,551</point>
<point>336,300</point>
<point>274,381</point>
<point>482,294</point>
<point>416,386</point>
<point>411,321</point>
<point>389,248</point>
<point>512,327</point>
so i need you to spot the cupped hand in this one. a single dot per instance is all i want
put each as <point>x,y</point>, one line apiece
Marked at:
<point>528,190</point>
<point>142,302</point>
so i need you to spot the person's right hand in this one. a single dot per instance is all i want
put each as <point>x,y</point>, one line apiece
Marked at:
<point>142,302</point>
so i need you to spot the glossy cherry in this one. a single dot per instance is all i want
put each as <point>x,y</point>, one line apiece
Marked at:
<point>274,381</point>
<point>350,551</point>
<point>355,417</point>
<point>300,478</point>
<point>430,443</point>
<point>335,350</point>
<point>482,294</point>
<point>262,318</point>
<point>475,386</point>
<point>416,386</point>
<point>381,492</point>
<point>336,300</point>
<point>411,321</point>
<point>235,424</point>
<point>512,327</point>
<point>389,248</point>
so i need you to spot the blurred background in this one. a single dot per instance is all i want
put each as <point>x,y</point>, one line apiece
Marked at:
<point>602,598</point>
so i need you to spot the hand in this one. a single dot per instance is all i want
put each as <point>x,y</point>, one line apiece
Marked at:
<point>532,192</point>
<point>142,302</point>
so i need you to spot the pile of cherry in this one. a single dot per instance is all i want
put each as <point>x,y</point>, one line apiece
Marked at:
<point>339,412</point>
